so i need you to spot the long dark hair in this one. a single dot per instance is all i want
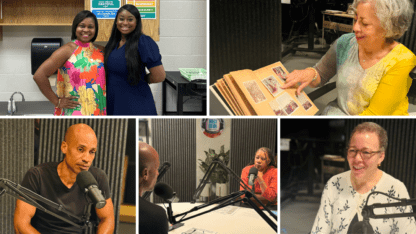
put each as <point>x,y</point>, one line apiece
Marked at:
<point>134,63</point>
<point>269,153</point>
<point>79,18</point>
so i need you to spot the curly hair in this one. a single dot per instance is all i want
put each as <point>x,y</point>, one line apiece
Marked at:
<point>270,155</point>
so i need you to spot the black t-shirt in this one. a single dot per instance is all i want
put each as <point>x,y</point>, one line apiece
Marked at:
<point>45,181</point>
<point>152,218</point>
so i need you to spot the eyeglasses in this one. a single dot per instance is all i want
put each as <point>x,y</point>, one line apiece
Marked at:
<point>365,154</point>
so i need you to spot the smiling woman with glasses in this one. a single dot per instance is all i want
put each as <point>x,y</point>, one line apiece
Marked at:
<point>345,194</point>
<point>365,154</point>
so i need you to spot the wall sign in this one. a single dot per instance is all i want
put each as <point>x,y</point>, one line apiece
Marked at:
<point>105,9</point>
<point>147,8</point>
<point>212,127</point>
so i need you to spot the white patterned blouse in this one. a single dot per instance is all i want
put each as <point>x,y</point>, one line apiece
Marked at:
<point>341,202</point>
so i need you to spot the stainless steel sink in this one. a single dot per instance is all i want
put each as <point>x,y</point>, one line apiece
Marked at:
<point>29,108</point>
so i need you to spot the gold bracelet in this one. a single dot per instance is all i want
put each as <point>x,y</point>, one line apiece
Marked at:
<point>59,103</point>
<point>316,73</point>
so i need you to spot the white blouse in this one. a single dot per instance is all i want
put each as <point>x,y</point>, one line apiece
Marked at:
<point>340,203</point>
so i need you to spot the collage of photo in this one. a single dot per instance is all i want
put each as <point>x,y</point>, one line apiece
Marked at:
<point>208,116</point>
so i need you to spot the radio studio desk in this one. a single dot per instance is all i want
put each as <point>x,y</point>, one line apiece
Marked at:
<point>230,219</point>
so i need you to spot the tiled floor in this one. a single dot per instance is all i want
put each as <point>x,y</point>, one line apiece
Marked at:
<point>297,216</point>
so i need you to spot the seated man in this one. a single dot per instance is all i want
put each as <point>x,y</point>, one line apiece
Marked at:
<point>56,182</point>
<point>152,218</point>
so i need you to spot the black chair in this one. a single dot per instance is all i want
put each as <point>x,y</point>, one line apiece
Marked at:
<point>412,91</point>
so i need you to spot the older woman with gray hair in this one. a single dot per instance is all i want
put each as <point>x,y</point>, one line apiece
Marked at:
<point>345,194</point>
<point>371,68</point>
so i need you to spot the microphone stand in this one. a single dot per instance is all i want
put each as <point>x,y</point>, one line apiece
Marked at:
<point>31,198</point>
<point>87,214</point>
<point>368,210</point>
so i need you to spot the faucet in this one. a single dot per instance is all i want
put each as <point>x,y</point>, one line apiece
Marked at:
<point>12,107</point>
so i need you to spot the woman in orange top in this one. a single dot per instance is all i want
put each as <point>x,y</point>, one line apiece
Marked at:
<point>265,185</point>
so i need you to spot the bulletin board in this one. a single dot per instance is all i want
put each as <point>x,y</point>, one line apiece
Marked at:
<point>151,27</point>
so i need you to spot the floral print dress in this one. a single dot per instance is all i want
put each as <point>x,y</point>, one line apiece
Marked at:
<point>340,203</point>
<point>83,76</point>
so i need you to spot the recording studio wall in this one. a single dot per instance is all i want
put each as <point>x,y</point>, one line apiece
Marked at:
<point>16,150</point>
<point>409,38</point>
<point>400,159</point>
<point>111,147</point>
<point>244,34</point>
<point>175,142</point>
<point>248,135</point>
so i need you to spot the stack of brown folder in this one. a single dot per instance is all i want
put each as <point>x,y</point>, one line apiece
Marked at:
<point>258,92</point>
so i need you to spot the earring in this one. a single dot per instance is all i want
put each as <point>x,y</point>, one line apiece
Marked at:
<point>379,165</point>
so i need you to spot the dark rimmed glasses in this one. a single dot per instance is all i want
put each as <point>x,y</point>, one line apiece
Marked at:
<point>365,154</point>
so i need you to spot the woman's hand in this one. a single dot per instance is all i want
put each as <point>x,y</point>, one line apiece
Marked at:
<point>262,183</point>
<point>67,103</point>
<point>260,175</point>
<point>304,77</point>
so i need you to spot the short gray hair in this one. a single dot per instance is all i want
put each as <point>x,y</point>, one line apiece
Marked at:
<point>373,128</point>
<point>395,16</point>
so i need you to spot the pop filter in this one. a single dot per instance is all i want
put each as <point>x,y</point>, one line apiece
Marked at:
<point>362,227</point>
<point>164,191</point>
<point>252,174</point>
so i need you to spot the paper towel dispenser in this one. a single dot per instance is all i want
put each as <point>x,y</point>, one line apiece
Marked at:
<point>42,49</point>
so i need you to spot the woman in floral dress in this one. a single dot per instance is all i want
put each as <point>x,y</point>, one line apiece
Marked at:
<point>81,86</point>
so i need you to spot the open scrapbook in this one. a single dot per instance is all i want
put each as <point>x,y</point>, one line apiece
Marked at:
<point>258,92</point>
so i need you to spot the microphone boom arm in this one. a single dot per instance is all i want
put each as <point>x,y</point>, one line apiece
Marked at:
<point>236,177</point>
<point>207,176</point>
<point>226,201</point>
<point>368,210</point>
<point>29,197</point>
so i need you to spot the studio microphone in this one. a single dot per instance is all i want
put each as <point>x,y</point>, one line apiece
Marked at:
<point>164,191</point>
<point>362,227</point>
<point>252,174</point>
<point>89,185</point>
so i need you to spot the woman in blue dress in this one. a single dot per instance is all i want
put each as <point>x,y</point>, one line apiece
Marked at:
<point>127,53</point>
